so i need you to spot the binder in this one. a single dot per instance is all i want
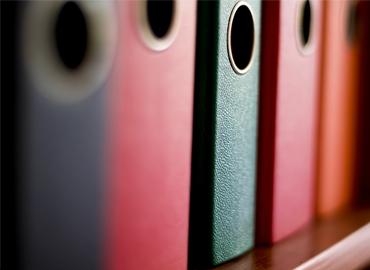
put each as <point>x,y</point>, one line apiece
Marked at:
<point>288,110</point>
<point>225,132</point>
<point>147,194</point>
<point>62,65</point>
<point>339,103</point>
<point>362,177</point>
<point>8,80</point>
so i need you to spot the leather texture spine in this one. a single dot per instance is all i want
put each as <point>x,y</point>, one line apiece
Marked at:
<point>224,142</point>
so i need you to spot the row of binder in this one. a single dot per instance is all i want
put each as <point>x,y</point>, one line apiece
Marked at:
<point>179,134</point>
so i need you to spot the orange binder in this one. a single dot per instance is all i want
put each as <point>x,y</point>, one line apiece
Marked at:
<point>339,98</point>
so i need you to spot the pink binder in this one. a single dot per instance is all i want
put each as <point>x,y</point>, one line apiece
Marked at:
<point>150,141</point>
<point>288,108</point>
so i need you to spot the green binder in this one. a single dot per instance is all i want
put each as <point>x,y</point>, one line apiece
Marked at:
<point>225,131</point>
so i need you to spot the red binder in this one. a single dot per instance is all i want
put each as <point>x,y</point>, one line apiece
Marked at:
<point>362,188</point>
<point>288,108</point>
<point>150,141</point>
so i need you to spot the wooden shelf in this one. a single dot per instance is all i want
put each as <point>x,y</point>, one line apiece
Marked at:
<point>324,244</point>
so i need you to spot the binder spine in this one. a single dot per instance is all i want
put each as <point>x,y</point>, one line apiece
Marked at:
<point>227,182</point>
